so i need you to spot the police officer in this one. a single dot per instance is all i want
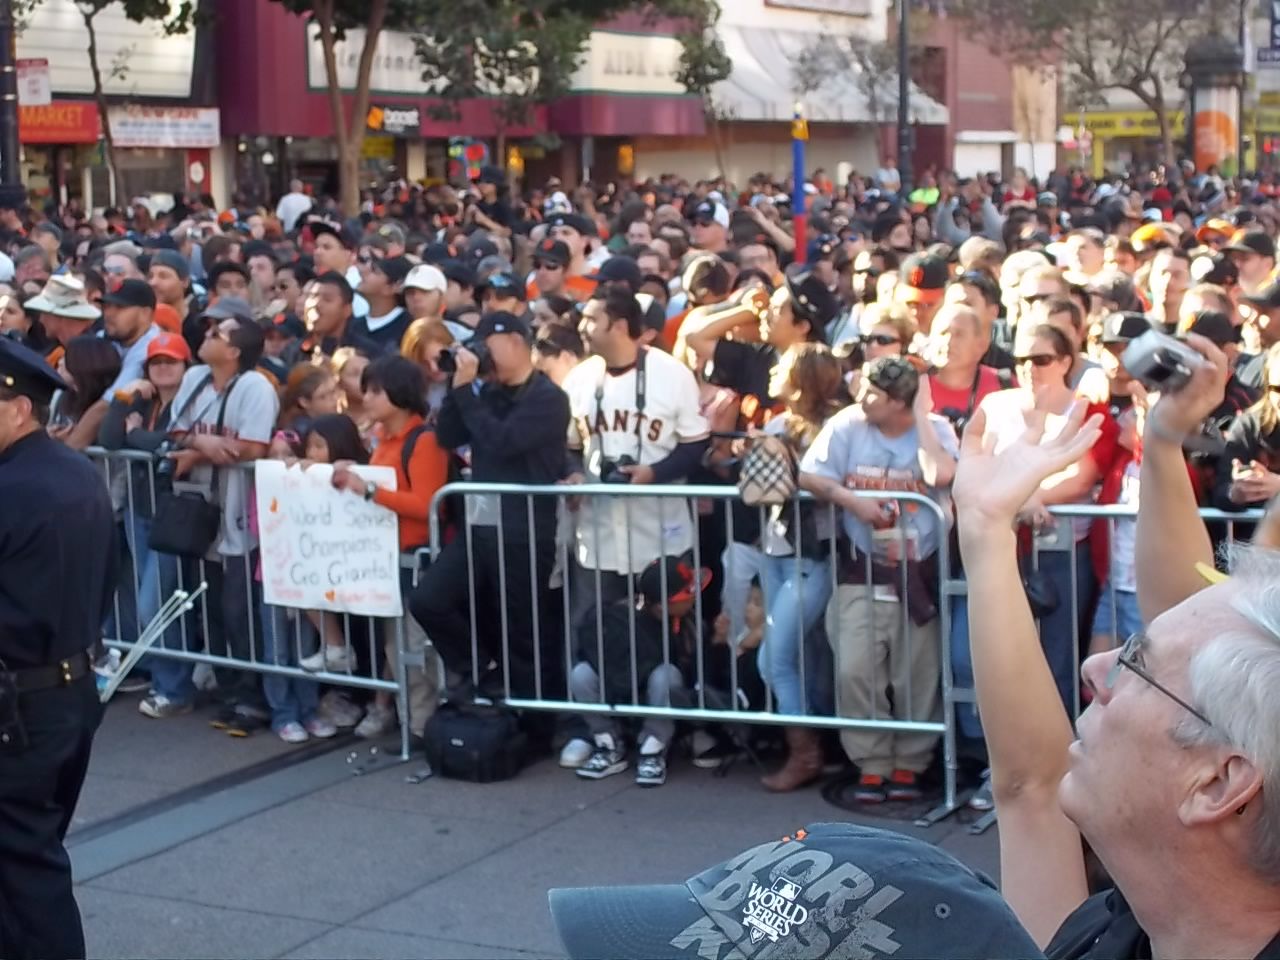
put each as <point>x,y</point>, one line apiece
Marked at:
<point>57,575</point>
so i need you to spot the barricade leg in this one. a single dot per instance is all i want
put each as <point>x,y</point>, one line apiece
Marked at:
<point>421,683</point>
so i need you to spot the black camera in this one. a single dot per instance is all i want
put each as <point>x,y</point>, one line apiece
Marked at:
<point>611,470</point>
<point>448,359</point>
<point>164,464</point>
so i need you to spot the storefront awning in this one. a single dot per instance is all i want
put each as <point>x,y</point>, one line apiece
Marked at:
<point>762,85</point>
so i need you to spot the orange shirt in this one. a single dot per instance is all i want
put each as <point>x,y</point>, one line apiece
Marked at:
<point>428,472</point>
<point>671,331</point>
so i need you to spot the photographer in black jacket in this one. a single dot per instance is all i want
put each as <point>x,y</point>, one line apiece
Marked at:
<point>516,422</point>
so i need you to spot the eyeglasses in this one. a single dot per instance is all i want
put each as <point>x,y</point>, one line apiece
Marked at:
<point>880,339</point>
<point>1037,359</point>
<point>1130,657</point>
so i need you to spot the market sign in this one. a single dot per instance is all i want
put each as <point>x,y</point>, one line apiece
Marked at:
<point>394,120</point>
<point>62,121</point>
<point>191,128</point>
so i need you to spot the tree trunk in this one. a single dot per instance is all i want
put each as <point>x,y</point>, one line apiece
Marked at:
<point>337,117</point>
<point>100,97</point>
<point>360,108</point>
<point>349,178</point>
<point>717,144</point>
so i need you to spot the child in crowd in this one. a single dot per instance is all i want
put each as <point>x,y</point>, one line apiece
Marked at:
<point>663,632</point>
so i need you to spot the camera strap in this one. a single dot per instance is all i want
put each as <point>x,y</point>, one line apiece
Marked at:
<point>640,388</point>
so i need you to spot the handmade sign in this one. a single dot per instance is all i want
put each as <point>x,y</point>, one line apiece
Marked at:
<point>326,549</point>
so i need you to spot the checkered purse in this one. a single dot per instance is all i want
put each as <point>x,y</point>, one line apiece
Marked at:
<point>768,474</point>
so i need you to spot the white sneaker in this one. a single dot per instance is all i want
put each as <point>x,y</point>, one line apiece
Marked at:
<point>339,711</point>
<point>376,722</point>
<point>320,728</point>
<point>292,732</point>
<point>332,659</point>
<point>158,707</point>
<point>575,753</point>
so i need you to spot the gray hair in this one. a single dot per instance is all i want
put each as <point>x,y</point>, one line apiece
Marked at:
<point>1235,681</point>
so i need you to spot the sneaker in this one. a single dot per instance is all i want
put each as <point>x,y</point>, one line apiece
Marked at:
<point>247,720</point>
<point>320,728</point>
<point>709,751</point>
<point>329,659</point>
<point>575,753</point>
<point>870,789</point>
<point>982,800</point>
<point>651,767</point>
<point>904,787</point>
<point>158,707</point>
<point>339,711</point>
<point>224,718</point>
<point>607,759</point>
<point>376,722</point>
<point>293,732</point>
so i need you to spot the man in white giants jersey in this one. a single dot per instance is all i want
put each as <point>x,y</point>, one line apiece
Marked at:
<point>635,419</point>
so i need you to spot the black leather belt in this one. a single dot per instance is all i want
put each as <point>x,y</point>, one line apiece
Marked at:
<point>60,674</point>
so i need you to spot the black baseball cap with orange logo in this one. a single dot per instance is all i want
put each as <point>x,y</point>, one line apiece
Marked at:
<point>552,252</point>
<point>672,577</point>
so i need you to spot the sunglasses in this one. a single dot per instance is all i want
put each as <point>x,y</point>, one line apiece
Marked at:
<point>547,265</point>
<point>1130,658</point>
<point>880,339</point>
<point>1037,359</point>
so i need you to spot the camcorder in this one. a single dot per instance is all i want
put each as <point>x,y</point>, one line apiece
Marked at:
<point>1159,362</point>
<point>448,359</point>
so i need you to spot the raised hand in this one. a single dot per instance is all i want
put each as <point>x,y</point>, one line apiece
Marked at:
<point>991,489</point>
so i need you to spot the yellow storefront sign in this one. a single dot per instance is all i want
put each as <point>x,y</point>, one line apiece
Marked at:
<point>1110,124</point>
<point>378,148</point>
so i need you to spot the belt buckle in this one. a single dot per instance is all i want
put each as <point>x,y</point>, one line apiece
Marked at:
<point>65,667</point>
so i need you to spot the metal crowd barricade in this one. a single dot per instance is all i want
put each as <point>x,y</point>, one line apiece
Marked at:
<point>1112,514</point>
<point>203,636</point>
<point>702,701</point>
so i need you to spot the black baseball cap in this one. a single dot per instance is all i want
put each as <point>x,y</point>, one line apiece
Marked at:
<point>500,321</point>
<point>285,325</point>
<point>131,293</point>
<point>810,298</point>
<point>1215,326</point>
<point>344,236</point>
<point>1267,296</point>
<point>682,580</point>
<point>829,890</point>
<point>554,252</point>
<point>619,269</point>
<point>923,278</point>
<point>459,272</point>
<point>26,373</point>
<point>575,221</point>
<point>896,376</point>
<point>1252,241</point>
<point>394,269</point>
<point>1123,326</point>
<point>479,247</point>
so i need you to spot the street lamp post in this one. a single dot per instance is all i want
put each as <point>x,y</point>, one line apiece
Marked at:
<point>10,175</point>
<point>904,102</point>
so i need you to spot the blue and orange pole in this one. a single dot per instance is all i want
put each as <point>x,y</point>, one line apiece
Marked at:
<point>799,199</point>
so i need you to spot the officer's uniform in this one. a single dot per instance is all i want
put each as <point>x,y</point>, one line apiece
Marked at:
<point>57,575</point>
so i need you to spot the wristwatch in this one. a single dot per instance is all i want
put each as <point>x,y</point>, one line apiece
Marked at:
<point>370,490</point>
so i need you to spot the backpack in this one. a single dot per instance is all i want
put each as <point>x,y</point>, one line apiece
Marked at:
<point>476,743</point>
<point>447,506</point>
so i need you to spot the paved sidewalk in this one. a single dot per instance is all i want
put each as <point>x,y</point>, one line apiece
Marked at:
<point>189,843</point>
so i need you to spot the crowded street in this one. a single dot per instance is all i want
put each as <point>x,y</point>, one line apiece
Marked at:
<point>778,478</point>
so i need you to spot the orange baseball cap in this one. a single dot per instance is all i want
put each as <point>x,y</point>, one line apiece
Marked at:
<point>167,318</point>
<point>169,345</point>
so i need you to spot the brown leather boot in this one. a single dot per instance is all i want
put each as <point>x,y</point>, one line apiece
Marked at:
<point>804,762</point>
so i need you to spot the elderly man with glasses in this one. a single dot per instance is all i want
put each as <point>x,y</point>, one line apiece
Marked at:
<point>1166,774</point>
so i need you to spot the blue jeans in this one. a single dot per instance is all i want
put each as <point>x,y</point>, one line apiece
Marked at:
<point>794,606</point>
<point>231,614</point>
<point>1118,615</point>
<point>291,699</point>
<point>1055,633</point>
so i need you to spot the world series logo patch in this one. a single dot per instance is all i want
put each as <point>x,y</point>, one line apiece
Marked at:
<point>772,911</point>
